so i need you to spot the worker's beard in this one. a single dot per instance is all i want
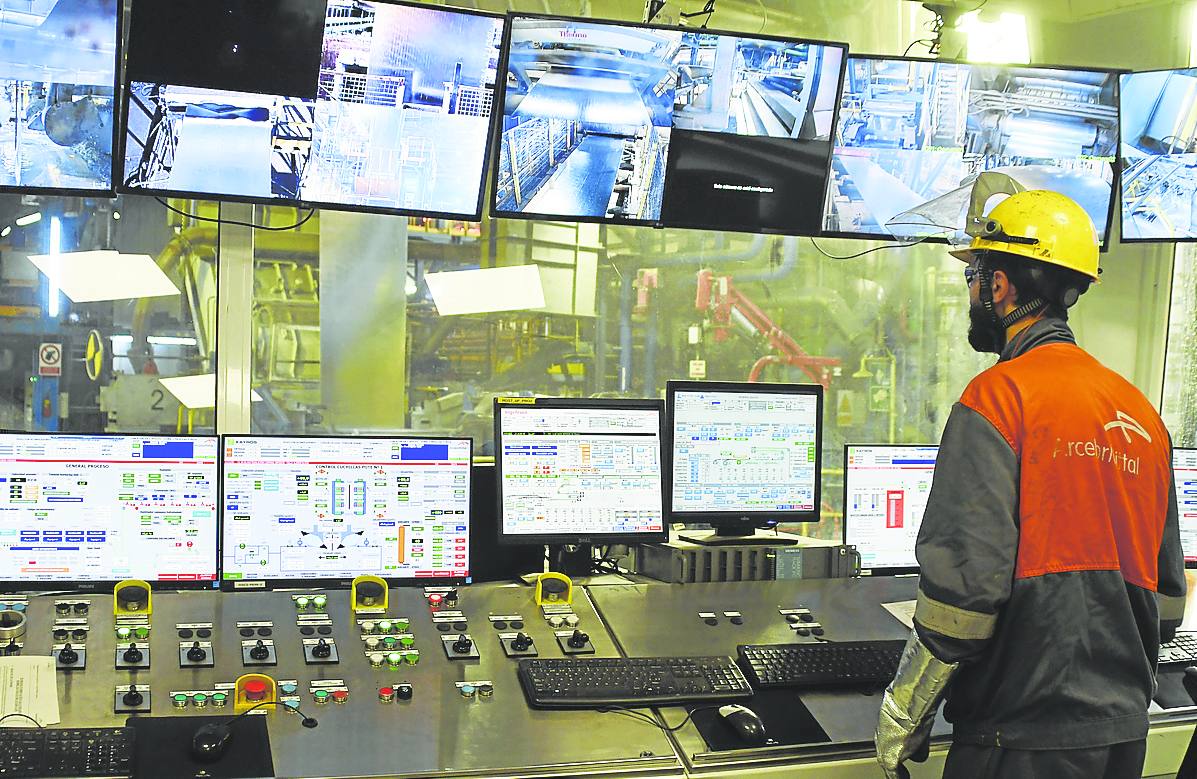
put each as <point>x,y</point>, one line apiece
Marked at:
<point>983,334</point>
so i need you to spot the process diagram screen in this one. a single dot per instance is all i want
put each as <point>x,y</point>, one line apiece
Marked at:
<point>106,508</point>
<point>886,492</point>
<point>319,508</point>
<point>744,451</point>
<point>574,471</point>
<point>1159,155</point>
<point>1184,463</point>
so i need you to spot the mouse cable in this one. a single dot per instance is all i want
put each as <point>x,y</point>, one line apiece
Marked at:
<point>666,728</point>
<point>26,716</point>
<point>180,212</point>
<point>307,722</point>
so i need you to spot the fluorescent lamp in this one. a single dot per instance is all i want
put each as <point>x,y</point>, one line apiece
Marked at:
<point>52,301</point>
<point>30,219</point>
<point>7,231</point>
<point>116,216</point>
<point>513,288</point>
<point>171,340</point>
<point>88,277</point>
<point>1002,41</point>
<point>197,391</point>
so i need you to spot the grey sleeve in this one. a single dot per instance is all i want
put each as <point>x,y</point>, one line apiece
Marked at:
<point>968,541</point>
<point>1171,588</point>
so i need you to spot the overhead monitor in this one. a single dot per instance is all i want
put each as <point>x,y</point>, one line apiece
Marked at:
<point>914,134</point>
<point>575,471</point>
<point>374,106</point>
<point>886,487</point>
<point>58,65</point>
<point>744,456</point>
<point>1184,463</point>
<point>1159,156</point>
<point>87,511</point>
<point>638,124</point>
<point>325,510</point>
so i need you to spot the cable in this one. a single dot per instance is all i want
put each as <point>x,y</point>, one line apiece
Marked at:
<point>307,722</point>
<point>666,728</point>
<point>300,223</point>
<point>928,41</point>
<point>869,251</point>
<point>26,716</point>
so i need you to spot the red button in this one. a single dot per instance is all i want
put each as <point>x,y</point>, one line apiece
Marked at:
<point>255,690</point>
<point>386,691</point>
<point>340,696</point>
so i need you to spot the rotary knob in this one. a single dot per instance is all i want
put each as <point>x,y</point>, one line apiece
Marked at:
<point>522,642</point>
<point>577,640</point>
<point>133,655</point>
<point>463,644</point>
<point>133,697</point>
<point>67,656</point>
<point>197,654</point>
<point>260,651</point>
<point>322,650</point>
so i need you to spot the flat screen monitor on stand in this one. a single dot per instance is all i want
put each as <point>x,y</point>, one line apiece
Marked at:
<point>745,457</point>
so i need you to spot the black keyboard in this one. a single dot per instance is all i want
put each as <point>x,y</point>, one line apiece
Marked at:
<point>1181,649</point>
<point>55,752</point>
<point>593,682</point>
<point>830,664</point>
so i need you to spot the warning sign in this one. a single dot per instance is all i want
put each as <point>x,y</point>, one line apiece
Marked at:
<point>49,360</point>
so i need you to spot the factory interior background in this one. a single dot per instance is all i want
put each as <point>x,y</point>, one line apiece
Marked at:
<point>331,327</point>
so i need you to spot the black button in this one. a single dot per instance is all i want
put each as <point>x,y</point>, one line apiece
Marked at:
<point>793,619</point>
<point>307,630</point>
<point>203,633</point>
<point>246,632</point>
<point>499,624</point>
<point>443,627</point>
<point>711,621</point>
<point>185,633</point>
<point>517,624</point>
<point>79,635</point>
<point>265,632</point>
<point>459,626</point>
<point>324,630</point>
<point>802,631</point>
<point>817,631</point>
<point>808,617</point>
<point>737,620</point>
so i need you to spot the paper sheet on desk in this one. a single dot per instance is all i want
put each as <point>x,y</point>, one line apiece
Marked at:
<point>28,685</point>
<point>903,611</point>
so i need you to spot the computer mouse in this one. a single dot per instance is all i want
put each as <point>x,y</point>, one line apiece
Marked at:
<point>210,742</point>
<point>745,722</point>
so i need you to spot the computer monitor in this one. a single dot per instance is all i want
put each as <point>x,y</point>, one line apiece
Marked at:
<point>58,66</point>
<point>886,487</point>
<point>351,104</point>
<point>1159,156</point>
<point>641,124</point>
<point>1184,465</point>
<point>913,135</point>
<point>87,511</point>
<point>579,471</point>
<point>744,456</point>
<point>323,510</point>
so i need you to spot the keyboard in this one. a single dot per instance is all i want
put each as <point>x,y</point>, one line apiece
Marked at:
<point>1181,649</point>
<point>62,752</point>
<point>593,682</point>
<point>830,664</point>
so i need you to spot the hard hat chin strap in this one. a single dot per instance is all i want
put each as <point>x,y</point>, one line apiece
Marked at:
<point>1001,323</point>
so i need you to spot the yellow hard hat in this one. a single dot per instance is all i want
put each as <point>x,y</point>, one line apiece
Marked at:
<point>1039,225</point>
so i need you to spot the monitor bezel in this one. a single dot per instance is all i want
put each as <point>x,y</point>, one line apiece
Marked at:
<point>1121,237</point>
<point>103,585</point>
<point>473,216</point>
<point>505,52</point>
<point>109,192</point>
<point>1115,186</point>
<point>338,582</point>
<point>553,539</point>
<point>745,519</point>
<point>893,570</point>
<point>1193,450</point>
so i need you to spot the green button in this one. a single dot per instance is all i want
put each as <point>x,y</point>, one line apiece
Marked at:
<point>142,632</point>
<point>123,632</point>
<point>388,643</point>
<point>200,699</point>
<point>302,603</point>
<point>411,658</point>
<point>385,626</point>
<point>320,602</point>
<point>402,625</point>
<point>321,694</point>
<point>219,699</point>
<point>179,699</point>
<point>394,658</point>
<point>408,640</point>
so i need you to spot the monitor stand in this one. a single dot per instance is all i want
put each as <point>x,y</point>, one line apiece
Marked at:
<point>574,564</point>
<point>738,537</point>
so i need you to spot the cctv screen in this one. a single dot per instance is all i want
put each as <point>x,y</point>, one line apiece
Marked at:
<point>335,508</point>
<point>105,508</point>
<point>913,135</point>
<point>57,87</point>
<point>338,103</point>
<point>604,121</point>
<point>1184,462</point>
<point>885,495</point>
<point>579,471</point>
<point>744,451</point>
<point>1159,156</point>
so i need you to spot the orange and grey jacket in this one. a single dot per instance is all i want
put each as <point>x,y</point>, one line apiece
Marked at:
<point>1050,550</point>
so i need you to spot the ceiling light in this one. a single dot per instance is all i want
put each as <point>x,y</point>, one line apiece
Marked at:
<point>29,219</point>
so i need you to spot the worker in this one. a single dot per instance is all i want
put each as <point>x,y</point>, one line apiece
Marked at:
<point>1050,558</point>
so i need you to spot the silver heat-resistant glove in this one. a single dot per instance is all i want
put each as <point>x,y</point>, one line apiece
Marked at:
<point>909,706</point>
